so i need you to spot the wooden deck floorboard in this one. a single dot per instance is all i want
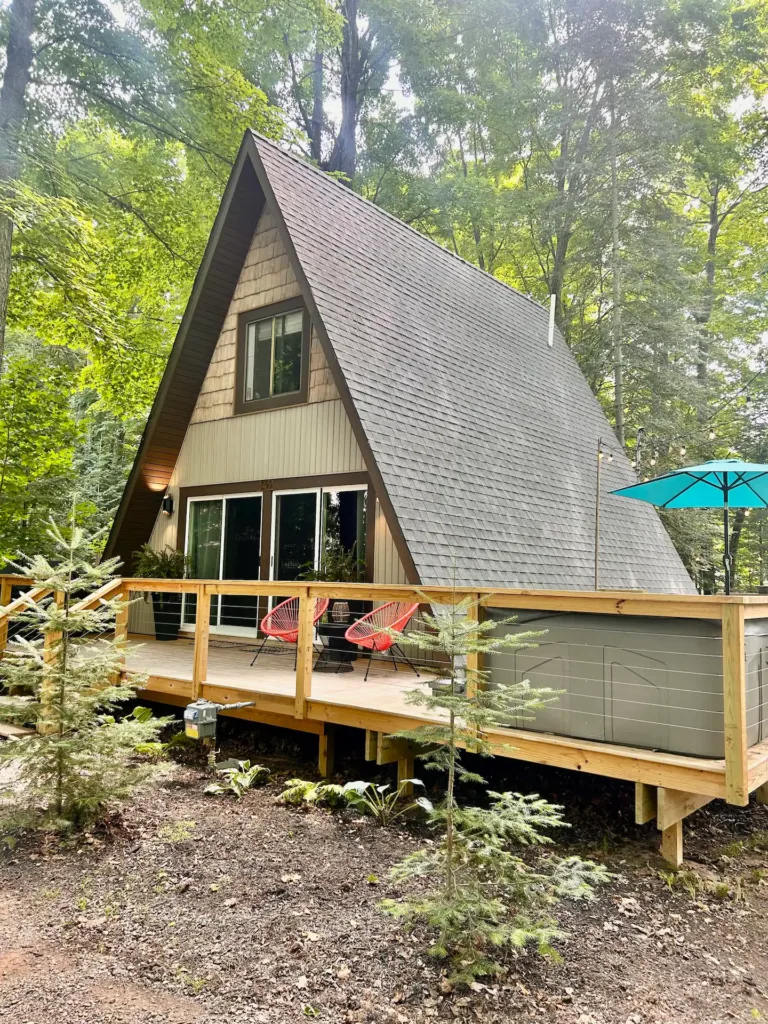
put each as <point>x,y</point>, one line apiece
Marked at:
<point>273,674</point>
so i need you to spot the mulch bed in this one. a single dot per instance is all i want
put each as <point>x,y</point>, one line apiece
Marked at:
<point>198,909</point>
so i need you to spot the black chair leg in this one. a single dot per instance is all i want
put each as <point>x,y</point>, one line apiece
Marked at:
<point>259,651</point>
<point>368,669</point>
<point>406,659</point>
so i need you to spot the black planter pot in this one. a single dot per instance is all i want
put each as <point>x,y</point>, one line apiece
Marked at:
<point>167,611</point>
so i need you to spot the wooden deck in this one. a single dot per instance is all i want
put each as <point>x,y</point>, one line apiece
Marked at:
<point>294,695</point>
<point>271,682</point>
<point>379,706</point>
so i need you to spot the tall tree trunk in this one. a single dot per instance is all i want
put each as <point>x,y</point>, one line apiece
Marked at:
<point>13,109</point>
<point>705,314</point>
<point>739,519</point>
<point>473,220</point>
<point>616,299</point>
<point>557,277</point>
<point>344,155</point>
<point>316,135</point>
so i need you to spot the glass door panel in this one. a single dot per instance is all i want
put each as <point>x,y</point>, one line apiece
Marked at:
<point>242,560</point>
<point>203,551</point>
<point>344,530</point>
<point>295,534</point>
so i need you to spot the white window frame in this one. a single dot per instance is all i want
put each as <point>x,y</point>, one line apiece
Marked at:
<point>319,492</point>
<point>246,631</point>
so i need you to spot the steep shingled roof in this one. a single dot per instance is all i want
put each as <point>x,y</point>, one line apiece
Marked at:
<point>485,437</point>
<point>482,439</point>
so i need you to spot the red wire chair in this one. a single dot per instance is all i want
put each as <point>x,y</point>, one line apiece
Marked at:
<point>370,631</point>
<point>282,622</point>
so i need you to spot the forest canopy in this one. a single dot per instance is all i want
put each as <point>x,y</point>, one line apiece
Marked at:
<point>610,153</point>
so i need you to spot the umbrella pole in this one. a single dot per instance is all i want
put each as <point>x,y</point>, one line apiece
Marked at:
<point>727,548</point>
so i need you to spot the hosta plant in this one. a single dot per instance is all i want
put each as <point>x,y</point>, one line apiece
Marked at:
<point>300,792</point>
<point>382,802</point>
<point>238,779</point>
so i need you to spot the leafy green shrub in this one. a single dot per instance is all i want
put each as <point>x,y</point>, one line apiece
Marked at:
<point>238,779</point>
<point>83,757</point>
<point>381,804</point>
<point>168,564</point>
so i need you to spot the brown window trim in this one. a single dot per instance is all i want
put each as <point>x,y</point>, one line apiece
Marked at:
<point>277,401</point>
<point>266,488</point>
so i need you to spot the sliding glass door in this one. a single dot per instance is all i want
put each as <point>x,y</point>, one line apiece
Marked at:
<point>224,542</point>
<point>316,529</point>
<point>311,529</point>
<point>295,526</point>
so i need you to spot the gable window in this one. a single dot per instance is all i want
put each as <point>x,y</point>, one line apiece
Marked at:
<point>273,357</point>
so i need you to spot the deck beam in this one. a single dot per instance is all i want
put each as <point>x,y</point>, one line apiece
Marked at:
<point>672,806</point>
<point>645,803</point>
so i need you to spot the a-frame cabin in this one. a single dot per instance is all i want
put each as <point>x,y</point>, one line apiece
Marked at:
<point>339,379</point>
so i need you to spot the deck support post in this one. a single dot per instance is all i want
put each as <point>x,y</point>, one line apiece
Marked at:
<point>761,793</point>
<point>735,706</point>
<point>672,844</point>
<point>405,770</point>
<point>326,750</point>
<point>5,598</point>
<point>304,653</point>
<point>669,807</point>
<point>202,633</point>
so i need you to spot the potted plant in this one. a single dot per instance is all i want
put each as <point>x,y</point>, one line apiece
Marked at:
<point>338,565</point>
<point>168,564</point>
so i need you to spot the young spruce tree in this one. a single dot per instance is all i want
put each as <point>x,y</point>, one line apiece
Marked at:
<point>64,678</point>
<point>480,894</point>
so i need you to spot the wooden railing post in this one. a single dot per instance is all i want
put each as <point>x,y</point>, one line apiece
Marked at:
<point>121,625</point>
<point>6,586</point>
<point>202,632</point>
<point>304,654</point>
<point>473,659</point>
<point>735,706</point>
<point>50,657</point>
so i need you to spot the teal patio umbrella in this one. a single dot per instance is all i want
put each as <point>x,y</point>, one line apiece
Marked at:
<point>722,483</point>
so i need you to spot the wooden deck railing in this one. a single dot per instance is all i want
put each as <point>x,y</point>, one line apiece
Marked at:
<point>741,773</point>
<point>731,611</point>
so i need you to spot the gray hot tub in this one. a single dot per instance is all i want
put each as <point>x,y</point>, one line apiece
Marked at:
<point>641,682</point>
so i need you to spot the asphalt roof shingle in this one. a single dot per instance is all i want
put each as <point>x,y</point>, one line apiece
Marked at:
<point>485,437</point>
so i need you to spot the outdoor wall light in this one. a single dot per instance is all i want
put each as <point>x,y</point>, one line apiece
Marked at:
<point>167,505</point>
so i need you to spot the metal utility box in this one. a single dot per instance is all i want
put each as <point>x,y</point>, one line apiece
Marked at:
<point>200,720</point>
<point>640,682</point>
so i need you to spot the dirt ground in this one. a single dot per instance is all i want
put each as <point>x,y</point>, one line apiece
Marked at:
<point>199,909</point>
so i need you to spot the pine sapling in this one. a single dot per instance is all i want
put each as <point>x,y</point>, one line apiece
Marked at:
<point>480,894</point>
<point>65,679</point>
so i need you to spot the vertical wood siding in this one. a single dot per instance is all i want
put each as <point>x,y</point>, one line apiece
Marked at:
<point>387,567</point>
